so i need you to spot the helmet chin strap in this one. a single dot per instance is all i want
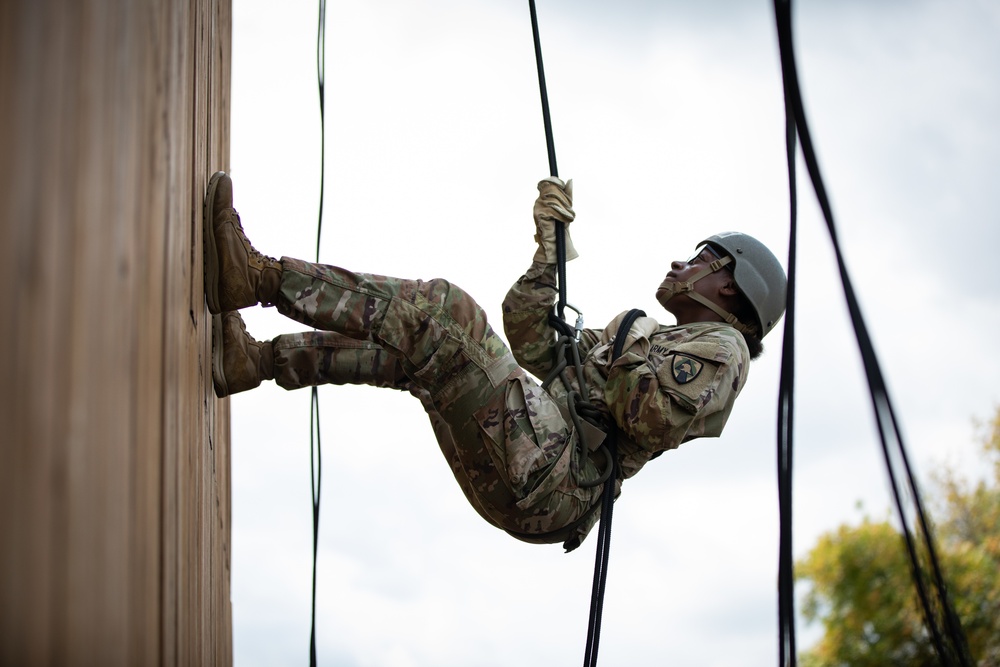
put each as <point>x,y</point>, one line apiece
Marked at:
<point>676,288</point>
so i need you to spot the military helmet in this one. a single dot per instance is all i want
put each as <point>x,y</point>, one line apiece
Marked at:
<point>758,275</point>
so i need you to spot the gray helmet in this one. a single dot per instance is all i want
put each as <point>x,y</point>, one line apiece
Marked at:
<point>758,275</point>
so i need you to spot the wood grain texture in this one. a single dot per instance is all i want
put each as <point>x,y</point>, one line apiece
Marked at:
<point>114,465</point>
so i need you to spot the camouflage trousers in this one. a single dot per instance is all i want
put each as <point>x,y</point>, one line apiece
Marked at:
<point>511,450</point>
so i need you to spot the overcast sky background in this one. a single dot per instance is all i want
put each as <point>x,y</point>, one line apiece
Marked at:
<point>669,118</point>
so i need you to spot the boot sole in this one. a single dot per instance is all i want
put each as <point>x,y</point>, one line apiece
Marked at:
<point>211,253</point>
<point>218,372</point>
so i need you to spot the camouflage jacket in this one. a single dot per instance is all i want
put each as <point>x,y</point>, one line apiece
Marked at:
<point>670,385</point>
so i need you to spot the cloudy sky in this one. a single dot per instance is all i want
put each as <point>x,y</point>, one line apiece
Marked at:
<point>669,118</point>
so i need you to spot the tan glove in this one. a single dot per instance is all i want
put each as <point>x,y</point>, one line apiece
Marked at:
<point>554,206</point>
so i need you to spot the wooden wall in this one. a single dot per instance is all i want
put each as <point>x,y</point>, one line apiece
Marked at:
<point>114,465</point>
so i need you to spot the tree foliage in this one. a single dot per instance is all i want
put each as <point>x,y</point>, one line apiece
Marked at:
<point>861,588</point>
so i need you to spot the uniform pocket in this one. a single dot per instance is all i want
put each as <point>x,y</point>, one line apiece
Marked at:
<point>691,374</point>
<point>530,440</point>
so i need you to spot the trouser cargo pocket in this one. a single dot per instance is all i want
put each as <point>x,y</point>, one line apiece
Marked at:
<point>530,440</point>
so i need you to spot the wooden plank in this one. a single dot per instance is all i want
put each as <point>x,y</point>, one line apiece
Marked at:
<point>114,474</point>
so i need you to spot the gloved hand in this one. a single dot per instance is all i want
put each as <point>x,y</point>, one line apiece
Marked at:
<point>554,206</point>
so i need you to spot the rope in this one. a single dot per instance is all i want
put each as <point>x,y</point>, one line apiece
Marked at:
<point>607,507</point>
<point>955,651</point>
<point>315,443</point>
<point>551,149</point>
<point>570,336</point>
<point>601,562</point>
<point>315,473</point>
<point>786,403</point>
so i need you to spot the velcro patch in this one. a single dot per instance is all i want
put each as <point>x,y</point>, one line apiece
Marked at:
<point>685,368</point>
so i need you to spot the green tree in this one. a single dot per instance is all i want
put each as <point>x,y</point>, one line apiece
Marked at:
<point>861,588</point>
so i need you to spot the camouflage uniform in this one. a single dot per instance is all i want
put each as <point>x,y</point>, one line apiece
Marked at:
<point>512,451</point>
<point>671,384</point>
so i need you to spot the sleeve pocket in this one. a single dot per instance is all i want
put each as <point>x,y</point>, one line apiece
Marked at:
<point>689,379</point>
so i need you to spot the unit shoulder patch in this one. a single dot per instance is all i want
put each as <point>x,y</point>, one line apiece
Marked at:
<point>685,368</point>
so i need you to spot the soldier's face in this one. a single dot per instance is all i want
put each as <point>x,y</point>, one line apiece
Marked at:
<point>682,272</point>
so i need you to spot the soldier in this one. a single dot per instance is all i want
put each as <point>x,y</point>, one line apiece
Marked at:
<point>515,448</point>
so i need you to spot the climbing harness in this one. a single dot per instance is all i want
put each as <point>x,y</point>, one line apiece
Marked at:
<point>940,618</point>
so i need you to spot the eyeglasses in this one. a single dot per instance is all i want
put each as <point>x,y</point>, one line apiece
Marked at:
<point>702,249</point>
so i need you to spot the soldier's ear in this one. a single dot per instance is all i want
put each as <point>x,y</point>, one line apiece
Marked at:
<point>729,289</point>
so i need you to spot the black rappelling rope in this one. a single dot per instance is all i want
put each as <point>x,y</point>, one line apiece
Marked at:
<point>607,507</point>
<point>786,405</point>
<point>553,170</point>
<point>786,410</point>
<point>955,651</point>
<point>558,321</point>
<point>315,444</point>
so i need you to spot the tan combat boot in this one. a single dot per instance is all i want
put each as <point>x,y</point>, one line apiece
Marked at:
<point>239,362</point>
<point>236,275</point>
